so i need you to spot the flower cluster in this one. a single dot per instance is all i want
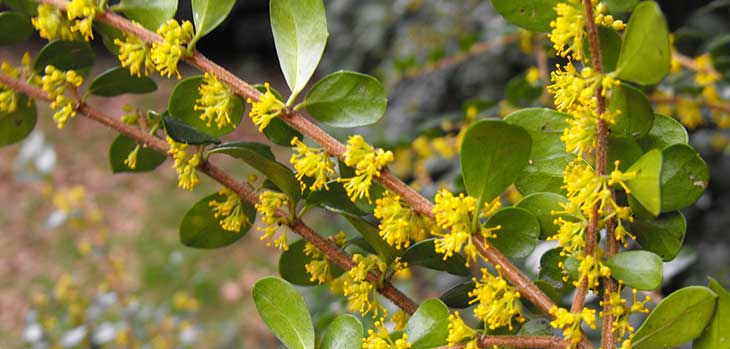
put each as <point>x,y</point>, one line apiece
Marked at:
<point>456,214</point>
<point>311,162</point>
<point>231,211</point>
<point>8,96</point>
<point>367,162</point>
<point>265,109</point>
<point>460,332</point>
<point>52,24</point>
<point>268,206</point>
<point>568,30</point>
<point>399,225</point>
<point>570,323</point>
<point>216,101</point>
<point>135,55</point>
<point>362,294</point>
<point>498,302</point>
<point>379,338</point>
<point>621,313</point>
<point>82,12</point>
<point>319,267</point>
<point>185,165</point>
<point>54,82</point>
<point>167,53</point>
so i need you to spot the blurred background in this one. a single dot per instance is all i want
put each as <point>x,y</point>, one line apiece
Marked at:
<point>77,241</point>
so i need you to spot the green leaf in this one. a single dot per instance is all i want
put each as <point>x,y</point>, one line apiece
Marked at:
<point>536,327</point>
<point>334,199</point>
<point>677,319</point>
<point>716,333</point>
<point>624,150</point>
<point>632,112</point>
<point>458,296</point>
<point>345,332</point>
<point>346,99</point>
<point>17,125</point>
<point>108,35</point>
<point>26,7</point>
<point>493,153</point>
<point>181,132</point>
<point>14,28</point>
<point>118,81</point>
<point>638,269</point>
<point>423,253</point>
<point>665,131</point>
<point>208,14</point>
<point>621,5</point>
<point>645,187</point>
<point>663,235</point>
<point>151,14</point>
<point>544,175</point>
<point>520,92</point>
<point>147,158</point>
<point>283,309</point>
<point>684,177</point>
<point>278,132</point>
<point>533,15</point>
<point>259,157</point>
<point>550,270</point>
<point>428,327</point>
<point>720,53</point>
<point>545,126</point>
<point>300,35</point>
<point>518,234</point>
<point>292,262</point>
<point>65,55</point>
<point>182,106</point>
<point>645,53</point>
<point>541,205</point>
<point>200,228</point>
<point>371,234</point>
<point>610,48</point>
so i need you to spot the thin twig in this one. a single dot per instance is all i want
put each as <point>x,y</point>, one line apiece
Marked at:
<point>488,341</point>
<point>329,248</point>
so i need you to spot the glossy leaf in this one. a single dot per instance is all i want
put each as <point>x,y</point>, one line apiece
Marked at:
<point>677,319</point>
<point>283,309</point>
<point>181,132</point>
<point>346,99</point>
<point>684,177</point>
<point>493,153</point>
<point>292,262</point>
<point>278,132</point>
<point>550,270</point>
<point>632,112</point>
<point>300,35</point>
<point>544,175</point>
<point>536,327</point>
<point>621,5</point>
<point>259,157</point>
<point>345,332</point>
<point>624,150</point>
<point>428,327</point>
<point>458,296</point>
<point>533,15</point>
<point>17,125</point>
<point>423,253</point>
<point>371,234</point>
<point>200,229</point>
<point>147,158</point>
<point>663,235</point>
<point>665,131</point>
<point>65,55</point>
<point>638,269</point>
<point>334,199</point>
<point>545,126</point>
<point>108,35</point>
<point>14,28</point>
<point>118,81</point>
<point>542,206</point>
<point>151,14</point>
<point>716,334</point>
<point>610,42</point>
<point>26,7</point>
<point>518,234</point>
<point>645,187</point>
<point>208,14</point>
<point>182,106</point>
<point>645,53</point>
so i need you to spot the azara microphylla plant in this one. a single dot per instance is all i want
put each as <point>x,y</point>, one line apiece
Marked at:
<point>595,171</point>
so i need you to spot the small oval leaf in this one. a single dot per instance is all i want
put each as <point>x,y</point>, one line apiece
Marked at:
<point>208,14</point>
<point>638,269</point>
<point>181,132</point>
<point>118,81</point>
<point>458,296</point>
<point>200,228</point>
<point>518,231</point>
<point>346,99</point>
<point>292,262</point>
<point>423,253</point>
<point>533,15</point>
<point>17,125</point>
<point>14,28</point>
<point>684,177</point>
<point>646,187</point>
<point>542,206</point>
<point>65,55</point>
<point>283,309</point>
<point>663,235</point>
<point>645,52</point>
<point>147,158</point>
<point>631,110</point>
<point>428,327</point>
<point>151,14</point>
<point>345,332</point>
<point>665,131</point>
<point>716,334</point>
<point>182,106</point>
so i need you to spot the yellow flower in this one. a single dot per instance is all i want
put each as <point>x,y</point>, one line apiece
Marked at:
<point>52,24</point>
<point>54,82</point>
<point>705,72</point>
<point>621,312</point>
<point>131,160</point>
<point>216,101</point>
<point>605,20</point>
<point>362,294</point>
<point>459,331</point>
<point>83,12</point>
<point>532,76</point>
<point>268,206</point>
<point>231,209</point>
<point>571,322</point>
<point>135,55</point>
<point>8,96</point>
<point>498,302</point>
<point>368,162</point>
<point>266,108</point>
<point>570,234</point>
<point>688,112</point>
<point>167,53</point>
<point>568,29</point>
<point>592,270</point>
<point>400,320</point>
<point>380,338</point>
<point>311,162</point>
<point>319,267</point>
<point>398,224</point>
<point>185,165</point>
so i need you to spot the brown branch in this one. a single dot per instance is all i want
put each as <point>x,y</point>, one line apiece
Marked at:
<point>302,123</point>
<point>329,248</point>
<point>488,341</point>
